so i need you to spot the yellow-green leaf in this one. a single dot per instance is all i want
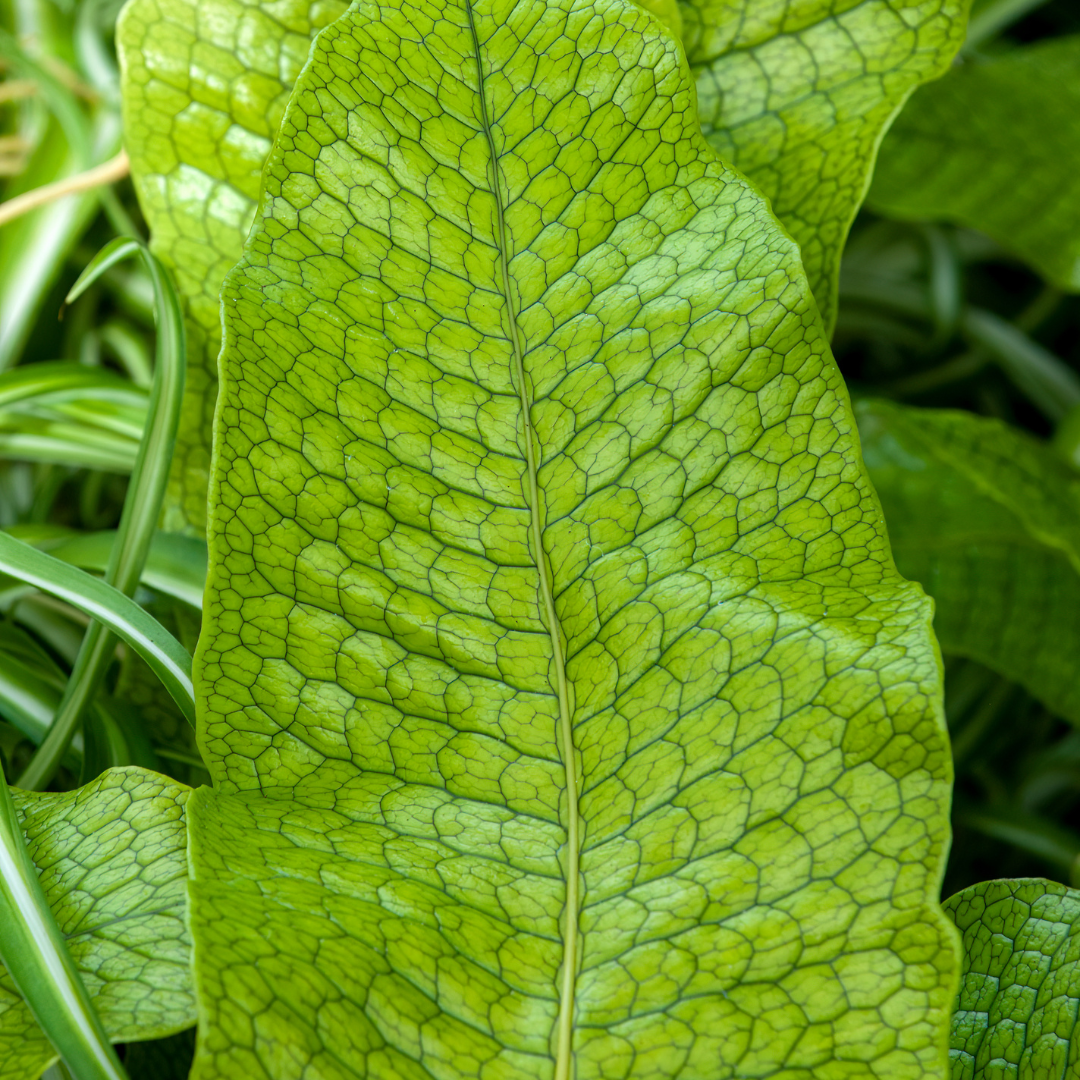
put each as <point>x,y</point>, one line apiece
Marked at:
<point>205,83</point>
<point>566,714</point>
<point>798,95</point>
<point>113,863</point>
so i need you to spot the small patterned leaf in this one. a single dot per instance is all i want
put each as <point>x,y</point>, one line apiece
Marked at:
<point>1020,988</point>
<point>797,95</point>
<point>113,862</point>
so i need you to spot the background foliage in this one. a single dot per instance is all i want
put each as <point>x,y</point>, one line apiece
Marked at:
<point>955,297</point>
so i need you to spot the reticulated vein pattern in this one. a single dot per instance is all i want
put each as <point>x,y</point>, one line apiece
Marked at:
<point>1020,987</point>
<point>112,857</point>
<point>381,873</point>
<point>204,87</point>
<point>797,95</point>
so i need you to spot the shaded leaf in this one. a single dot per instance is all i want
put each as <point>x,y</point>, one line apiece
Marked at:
<point>988,520</point>
<point>1020,988</point>
<point>797,95</point>
<point>112,857</point>
<point>993,146</point>
<point>163,1059</point>
<point>564,708</point>
<point>139,518</point>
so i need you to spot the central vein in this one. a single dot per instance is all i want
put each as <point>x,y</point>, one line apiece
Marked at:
<point>564,1043</point>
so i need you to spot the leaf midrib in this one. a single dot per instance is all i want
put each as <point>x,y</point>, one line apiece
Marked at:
<point>564,1030</point>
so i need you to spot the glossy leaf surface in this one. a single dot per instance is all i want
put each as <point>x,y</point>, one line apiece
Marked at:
<point>988,520</point>
<point>112,857</point>
<point>205,84</point>
<point>993,146</point>
<point>797,96</point>
<point>1020,988</point>
<point>566,714</point>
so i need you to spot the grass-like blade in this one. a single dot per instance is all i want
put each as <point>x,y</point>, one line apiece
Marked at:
<point>96,598</point>
<point>60,100</point>
<point>991,18</point>
<point>31,683</point>
<point>142,507</point>
<point>35,246</point>
<point>70,414</point>
<point>36,956</point>
<point>29,438</point>
<point>59,381</point>
<point>31,686</point>
<point>175,564</point>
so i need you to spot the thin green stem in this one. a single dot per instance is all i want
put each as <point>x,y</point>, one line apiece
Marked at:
<point>990,708</point>
<point>142,507</point>
<point>944,290</point>
<point>1042,377</point>
<point>958,368</point>
<point>168,754</point>
<point>1043,839</point>
<point>1040,309</point>
<point>169,660</point>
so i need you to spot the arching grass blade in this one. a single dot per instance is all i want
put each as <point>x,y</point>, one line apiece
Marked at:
<point>142,507</point>
<point>121,615</point>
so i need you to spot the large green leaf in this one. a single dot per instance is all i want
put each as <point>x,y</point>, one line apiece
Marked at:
<point>797,96</point>
<point>113,864</point>
<point>204,84</point>
<point>996,146</point>
<point>798,103</point>
<point>1020,988</point>
<point>564,707</point>
<point>988,520</point>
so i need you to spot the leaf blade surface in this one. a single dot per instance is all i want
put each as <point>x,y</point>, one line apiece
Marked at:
<point>204,84</point>
<point>1016,1010</point>
<point>797,97</point>
<point>112,857</point>
<point>502,547</point>
<point>989,147</point>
